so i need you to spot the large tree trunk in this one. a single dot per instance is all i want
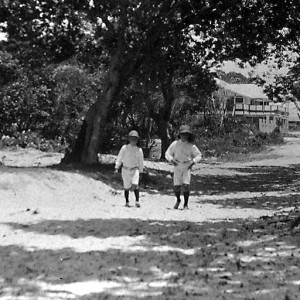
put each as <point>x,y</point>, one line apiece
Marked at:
<point>89,140</point>
<point>162,117</point>
<point>162,126</point>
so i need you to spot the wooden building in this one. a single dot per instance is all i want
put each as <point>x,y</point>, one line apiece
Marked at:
<point>250,102</point>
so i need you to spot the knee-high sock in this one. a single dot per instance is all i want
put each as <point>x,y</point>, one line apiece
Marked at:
<point>177,194</point>
<point>186,196</point>
<point>126,194</point>
<point>137,194</point>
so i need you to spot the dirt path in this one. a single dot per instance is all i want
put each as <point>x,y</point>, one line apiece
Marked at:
<point>65,233</point>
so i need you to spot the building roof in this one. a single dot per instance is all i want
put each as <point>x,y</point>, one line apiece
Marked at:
<point>251,91</point>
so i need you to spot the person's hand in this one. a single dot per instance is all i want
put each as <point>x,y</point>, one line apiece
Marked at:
<point>174,162</point>
<point>116,171</point>
<point>191,165</point>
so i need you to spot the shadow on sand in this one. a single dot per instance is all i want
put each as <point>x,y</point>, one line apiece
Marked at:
<point>164,260</point>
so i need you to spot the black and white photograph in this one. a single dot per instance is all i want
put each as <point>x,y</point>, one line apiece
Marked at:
<point>150,149</point>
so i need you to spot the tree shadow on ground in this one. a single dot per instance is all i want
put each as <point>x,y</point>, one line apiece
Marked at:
<point>254,187</point>
<point>163,260</point>
<point>156,181</point>
<point>274,202</point>
<point>254,179</point>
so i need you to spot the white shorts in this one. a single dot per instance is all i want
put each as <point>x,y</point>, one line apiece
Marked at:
<point>182,174</point>
<point>130,177</point>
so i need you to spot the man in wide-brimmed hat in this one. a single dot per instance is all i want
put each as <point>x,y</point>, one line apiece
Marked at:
<point>183,155</point>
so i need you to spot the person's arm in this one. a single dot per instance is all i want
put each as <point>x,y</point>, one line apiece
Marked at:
<point>141,160</point>
<point>197,156</point>
<point>120,158</point>
<point>170,153</point>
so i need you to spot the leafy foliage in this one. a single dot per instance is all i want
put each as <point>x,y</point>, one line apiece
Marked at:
<point>286,87</point>
<point>233,138</point>
<point>233,77</point>
<point>33,140</point>
<point>25,104</point>
<point>8,68</point>
<point>74,91</point>
<point>51,103</point>
<point>161,41</point>
<point>41,31</point>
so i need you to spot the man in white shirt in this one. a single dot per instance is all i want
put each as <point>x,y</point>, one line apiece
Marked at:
<point>183,154</point>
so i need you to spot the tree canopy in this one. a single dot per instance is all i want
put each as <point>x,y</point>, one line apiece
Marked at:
<point>159,38</point>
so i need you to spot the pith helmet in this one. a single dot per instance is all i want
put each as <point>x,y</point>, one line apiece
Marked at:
<point>133,133</point>
<point>185,129</point>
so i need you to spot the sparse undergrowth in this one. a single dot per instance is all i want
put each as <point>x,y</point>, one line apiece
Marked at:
<point>29,139</point>
<point>240,141</point>
<point>223,147</point>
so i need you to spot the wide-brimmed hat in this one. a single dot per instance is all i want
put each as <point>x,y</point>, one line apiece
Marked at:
<point>133,133</point>
<point>185,129</point>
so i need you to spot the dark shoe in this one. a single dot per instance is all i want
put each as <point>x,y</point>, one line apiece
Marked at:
<point>177,205</point>
<point>127,204</point>
<point>137,204</point>
<point>185,207</point>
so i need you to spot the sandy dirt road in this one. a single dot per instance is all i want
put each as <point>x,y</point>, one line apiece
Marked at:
<point>65,233</point>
